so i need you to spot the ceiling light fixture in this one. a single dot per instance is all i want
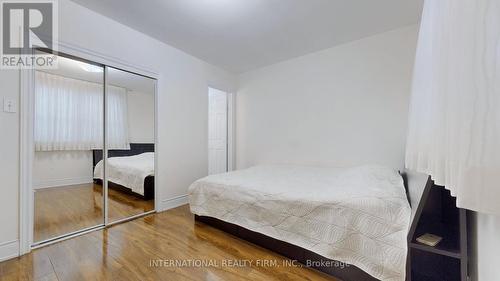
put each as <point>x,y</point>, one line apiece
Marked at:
<point>90,68</point>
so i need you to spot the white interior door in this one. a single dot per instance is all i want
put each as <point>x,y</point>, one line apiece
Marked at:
<point>217,131</point>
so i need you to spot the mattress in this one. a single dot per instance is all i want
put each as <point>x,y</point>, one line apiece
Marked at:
<point>128,171</point>
<point>359,215</point>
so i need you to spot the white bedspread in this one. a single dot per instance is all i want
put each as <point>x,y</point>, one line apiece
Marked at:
<point>128,171</point>
<point>359,216</point>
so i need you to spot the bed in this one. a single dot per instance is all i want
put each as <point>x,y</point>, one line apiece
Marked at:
<point>359,217</point>
<point>130,171</point>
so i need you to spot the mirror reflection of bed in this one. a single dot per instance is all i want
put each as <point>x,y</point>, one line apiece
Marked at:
<point>130,179</point>
<point>69,140</point>
<point>130,165</point>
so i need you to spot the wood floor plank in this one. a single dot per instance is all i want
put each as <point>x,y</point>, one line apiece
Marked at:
<point>48,277</point>
<point>28,267</point>
<point>127,251</point>
<point>65,209</point>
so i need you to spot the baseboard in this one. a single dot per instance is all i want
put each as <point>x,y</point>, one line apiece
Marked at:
<point>173,202</point>
<point>62,182</point>
<point>9,250</point>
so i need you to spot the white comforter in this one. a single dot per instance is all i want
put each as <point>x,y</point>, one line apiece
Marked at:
<point>359,216</point>
<point>128,171</point>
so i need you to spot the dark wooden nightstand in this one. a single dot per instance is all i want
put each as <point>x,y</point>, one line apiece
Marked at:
<point>447,261</point>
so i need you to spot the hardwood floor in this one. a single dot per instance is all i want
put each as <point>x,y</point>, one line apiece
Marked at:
<point>125,252</point>
<point>62,210</point>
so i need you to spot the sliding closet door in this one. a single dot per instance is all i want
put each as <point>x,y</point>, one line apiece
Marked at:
<point>130,139</point>
<point>68,135</point>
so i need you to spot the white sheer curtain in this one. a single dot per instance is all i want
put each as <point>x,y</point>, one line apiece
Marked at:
<point>117,118</point>
<point>454,122</point>
<point>69,114</point>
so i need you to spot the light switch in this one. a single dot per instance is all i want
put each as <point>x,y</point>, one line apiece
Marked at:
<point>9,105</point>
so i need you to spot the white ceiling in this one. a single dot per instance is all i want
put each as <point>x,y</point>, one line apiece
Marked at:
<point>241,35</point>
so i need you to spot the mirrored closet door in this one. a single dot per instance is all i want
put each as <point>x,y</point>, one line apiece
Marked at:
<point>130,127</point>
<point>94,147</point>
<point>68,126</point>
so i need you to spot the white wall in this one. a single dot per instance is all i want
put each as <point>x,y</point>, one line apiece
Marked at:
<point>485,249</point>
<point>9,166</point>
<point>141,114</point>
<point>343,106</point>
<point>182,103</point>
<point>59,168</point>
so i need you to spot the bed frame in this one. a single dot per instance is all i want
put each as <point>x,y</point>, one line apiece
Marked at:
<point>417,187</point>
<point>135,149</point>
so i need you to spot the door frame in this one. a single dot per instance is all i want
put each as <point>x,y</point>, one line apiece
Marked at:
<point>230,131</point>
<point>230,105</point>
<point>26,140</point>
